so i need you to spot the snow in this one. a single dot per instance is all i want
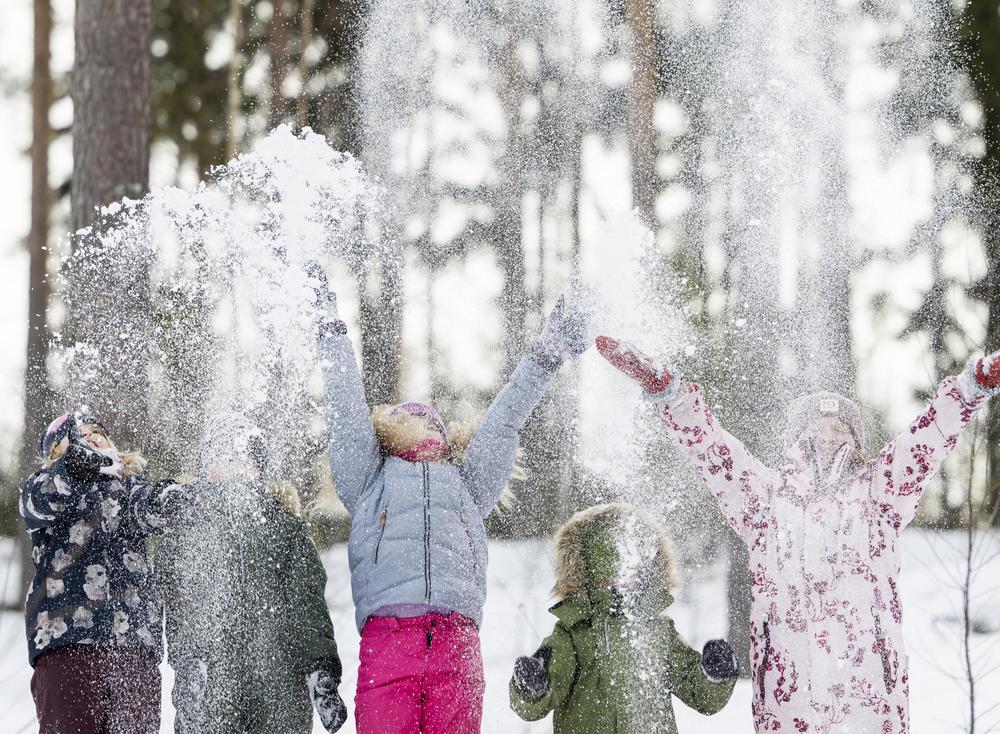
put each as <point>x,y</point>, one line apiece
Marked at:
<point>520,576</point>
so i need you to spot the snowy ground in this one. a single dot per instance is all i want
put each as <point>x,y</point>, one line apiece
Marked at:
<point>521,575</point>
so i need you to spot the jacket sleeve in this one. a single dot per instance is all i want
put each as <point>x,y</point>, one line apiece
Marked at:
<point>152,506</point>
<point>354,451</point>
<point>489,458</point>
<point>51,496</point>
<point>562,673</point>
<point>310,629</point>
<point>688,680</point>
<point>734,476</point>
<point>905,466</point>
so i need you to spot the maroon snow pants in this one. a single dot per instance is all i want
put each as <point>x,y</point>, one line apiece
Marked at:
<point>96,689</point>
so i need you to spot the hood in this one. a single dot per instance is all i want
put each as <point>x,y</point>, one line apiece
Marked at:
<point>809,407</point>
<point>611,541</point>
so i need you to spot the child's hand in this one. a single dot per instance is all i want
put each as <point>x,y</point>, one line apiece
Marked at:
<point>326,700</point>
<point>988,372</point>
<point>719,661</point>
<point>563,335</point>
<point>980,377</point>
<point>325,300</point>
<point>531,675</point>
<point>84,464</point>
<point>654,378</point>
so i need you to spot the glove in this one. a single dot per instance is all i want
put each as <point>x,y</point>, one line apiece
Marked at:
<point>325,300</point>
<point>113,470</point>
<point>174,498</point>
<point>326,699</point>
<point>654,378</point>
<point>719,662</point>
<point>563,335</point>
<point>980,377</point>
<point>86,465</point>
<point>531,675</point>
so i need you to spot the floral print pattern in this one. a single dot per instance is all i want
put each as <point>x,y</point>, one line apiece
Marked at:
<point>827,648</point>
<point>93,581</point>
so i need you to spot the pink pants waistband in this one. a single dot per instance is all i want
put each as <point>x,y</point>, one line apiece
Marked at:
<point>426,621</point>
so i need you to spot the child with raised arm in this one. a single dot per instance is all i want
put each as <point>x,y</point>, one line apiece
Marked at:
<point>94,619</point>
<point>417,496</point>
<point>614,660</point>
<point>823,534</point>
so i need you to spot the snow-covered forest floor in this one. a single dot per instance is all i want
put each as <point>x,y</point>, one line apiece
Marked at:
<point>516,619</point>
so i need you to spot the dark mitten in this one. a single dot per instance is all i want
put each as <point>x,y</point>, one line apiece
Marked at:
<point>531,675</point>
<point>326,699</point>
<point>719,661</point>
<point>84,464</point>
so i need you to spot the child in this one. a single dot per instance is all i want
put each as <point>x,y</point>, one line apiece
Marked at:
<point>417,548</point>
<point>94,621</point>
<point>248,630</point>
<point>614,658</point>
<point>823,533</point>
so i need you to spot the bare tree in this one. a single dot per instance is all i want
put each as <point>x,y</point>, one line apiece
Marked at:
<point>641,101</point>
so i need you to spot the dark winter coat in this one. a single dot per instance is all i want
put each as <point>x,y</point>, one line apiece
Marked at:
<point>247,621</point>
<point>417,533</point>
<point>614,667</point>
<point>93,581</point>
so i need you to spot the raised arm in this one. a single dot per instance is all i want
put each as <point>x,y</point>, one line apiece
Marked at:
<point>354,452</point>
<point>733,475</point>
<point>64,490</point>
<point>152,507</point>
<point>905,466</point>
<point>489,458</point>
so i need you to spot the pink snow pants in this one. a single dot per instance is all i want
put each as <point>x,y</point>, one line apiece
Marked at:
<point>420,674</point>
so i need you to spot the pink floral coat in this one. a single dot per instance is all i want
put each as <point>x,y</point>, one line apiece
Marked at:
<point>824,551</point>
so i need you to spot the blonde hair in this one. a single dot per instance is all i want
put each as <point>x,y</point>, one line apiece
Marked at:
<point>394,434</point>
<point>133,462</point>
<point>571,568</point>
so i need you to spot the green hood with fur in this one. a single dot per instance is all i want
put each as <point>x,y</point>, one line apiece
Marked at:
<point>617,659</point>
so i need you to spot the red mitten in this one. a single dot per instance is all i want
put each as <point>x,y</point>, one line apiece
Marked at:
<point>654,378</point>
<point>988,371</point>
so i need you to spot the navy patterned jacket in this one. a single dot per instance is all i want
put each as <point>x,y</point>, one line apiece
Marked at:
<point>93,582</point>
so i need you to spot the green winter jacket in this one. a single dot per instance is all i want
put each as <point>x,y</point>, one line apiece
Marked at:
<point>614,673</point>
<point>246,617</point>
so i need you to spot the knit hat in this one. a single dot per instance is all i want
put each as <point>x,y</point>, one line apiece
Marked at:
<point>419,409</point>
<point>56,431</point>
<point>68,424</point>
<point>805,410</point>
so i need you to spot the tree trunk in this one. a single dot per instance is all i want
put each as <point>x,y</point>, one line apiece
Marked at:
<point>233,80</point>
<point>302,107</point>
<point>278,45</point>
<point>641,100</point>
<point>381,321</point>
<point>111,137</point>
<point>980,32</point>
<point>111,104</point>
<point>38,401</point>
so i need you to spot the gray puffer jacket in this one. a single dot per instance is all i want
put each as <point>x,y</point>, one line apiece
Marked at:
<point>417,534</point>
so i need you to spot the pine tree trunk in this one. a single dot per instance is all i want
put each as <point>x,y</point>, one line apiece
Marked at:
<point>980,32</point>
<point>111,139</point>
<point>111,104</point>
<point>277,43</point>
<point>641,100</point>
<point>38,401</point>
<point>233,80</point>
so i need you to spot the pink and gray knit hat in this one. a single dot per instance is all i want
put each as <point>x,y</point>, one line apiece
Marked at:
<point>422,410</point>
<point>808,408</point>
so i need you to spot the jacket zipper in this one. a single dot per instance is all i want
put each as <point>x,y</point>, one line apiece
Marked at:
<point>381,531</point>
<point>472,547</point>
<point>427,533</point>
<point>764,661</point>
<point>883,653</point>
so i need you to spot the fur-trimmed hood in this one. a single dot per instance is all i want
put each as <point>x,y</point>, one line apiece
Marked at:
<point>633,531</point>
